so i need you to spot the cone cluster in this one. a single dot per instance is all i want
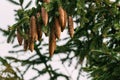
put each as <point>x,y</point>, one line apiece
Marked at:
<point>35,30</point>
<point>58,27</point>
<point>34,33</point>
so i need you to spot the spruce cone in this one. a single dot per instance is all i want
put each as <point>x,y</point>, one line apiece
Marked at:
<point>57,28</point>
<point>44,16</point>
<point>26,45</point>
<point>33,29</point>
<point>70,26</point>
<point>52,42</point>
<point>39,28</point>
<point>19,37</point>
<point>65,21</point>
<point>31,46</point>
<point>62,18</point>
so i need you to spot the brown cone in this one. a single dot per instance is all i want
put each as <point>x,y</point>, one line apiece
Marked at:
<point>26,45</point>
<point>44,16</point>
<point>52,42</point>
<point>33,29</point>
<point>61,15</point>
<point>57,28</point>
<point>31,46</point>
<point>65,21</point>
<point>19,37</point>
<point>39,28</point>
<point>70,26</point>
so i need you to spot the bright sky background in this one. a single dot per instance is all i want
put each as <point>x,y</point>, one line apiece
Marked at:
<point>7,18</point>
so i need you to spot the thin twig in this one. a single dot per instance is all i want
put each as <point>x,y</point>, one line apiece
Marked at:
<point>66,68</point>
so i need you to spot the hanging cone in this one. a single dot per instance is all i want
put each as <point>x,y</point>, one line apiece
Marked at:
<point>39,27</point>
<point>19,37</point>
<point>70,26</point>
<point>31,46</point>
<point>61,16</point>
<point>57,28</point>
<point>33,29</point>
<point>26,45</point>
<point>65,21</point>
<point>52,42</point>
<point>44,16</point>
